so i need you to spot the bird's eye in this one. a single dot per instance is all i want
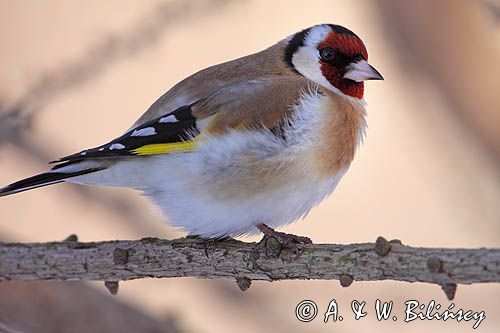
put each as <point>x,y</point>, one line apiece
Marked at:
<point>327,54</point>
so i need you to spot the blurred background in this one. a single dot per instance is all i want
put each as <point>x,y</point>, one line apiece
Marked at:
<point>75,74</point>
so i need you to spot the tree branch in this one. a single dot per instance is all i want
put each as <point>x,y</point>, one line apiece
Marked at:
<point>150,257</point>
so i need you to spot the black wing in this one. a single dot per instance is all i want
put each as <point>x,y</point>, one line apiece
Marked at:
<point>171,132</point>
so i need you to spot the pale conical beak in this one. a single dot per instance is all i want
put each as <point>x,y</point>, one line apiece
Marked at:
<point>361,71</point>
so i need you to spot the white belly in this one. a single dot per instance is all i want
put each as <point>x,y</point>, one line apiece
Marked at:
<point>201,214</point>
<point>230,184</point>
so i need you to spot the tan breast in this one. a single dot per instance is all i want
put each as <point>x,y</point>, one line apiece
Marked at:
<point>340,134</point>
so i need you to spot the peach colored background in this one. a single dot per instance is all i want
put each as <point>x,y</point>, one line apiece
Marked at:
<point>422,176</point>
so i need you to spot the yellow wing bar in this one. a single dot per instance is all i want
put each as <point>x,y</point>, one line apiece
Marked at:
<point>163,148</point>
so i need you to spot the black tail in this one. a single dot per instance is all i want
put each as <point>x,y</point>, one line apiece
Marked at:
<point>42,179</point>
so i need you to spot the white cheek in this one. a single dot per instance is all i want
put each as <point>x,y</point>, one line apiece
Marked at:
<point>306,62</point>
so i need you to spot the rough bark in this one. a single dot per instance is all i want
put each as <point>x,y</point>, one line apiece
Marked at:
<point>150,257</point>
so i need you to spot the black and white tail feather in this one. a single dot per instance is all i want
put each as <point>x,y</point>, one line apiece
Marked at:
<point>43,179</point>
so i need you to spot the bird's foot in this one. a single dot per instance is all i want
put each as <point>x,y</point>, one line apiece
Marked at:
<point>277,244</point>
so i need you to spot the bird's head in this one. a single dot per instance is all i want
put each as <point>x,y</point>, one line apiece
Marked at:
<point>333,57</point>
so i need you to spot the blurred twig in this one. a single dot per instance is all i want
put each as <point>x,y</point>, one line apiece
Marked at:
<point>151,257</point>
<point>16,118</point>
<point>5,329</point>
<point>145,33</point>
<point>435,42</point>
<point>493,7</point>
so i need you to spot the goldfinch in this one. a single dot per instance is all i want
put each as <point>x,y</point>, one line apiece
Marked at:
<point>245,145</point>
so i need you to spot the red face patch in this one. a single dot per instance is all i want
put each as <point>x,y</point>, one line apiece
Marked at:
<point>350,46</point>
<point>348,87</point>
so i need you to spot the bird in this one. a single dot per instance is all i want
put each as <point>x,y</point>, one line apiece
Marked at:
<point>248,145</point>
